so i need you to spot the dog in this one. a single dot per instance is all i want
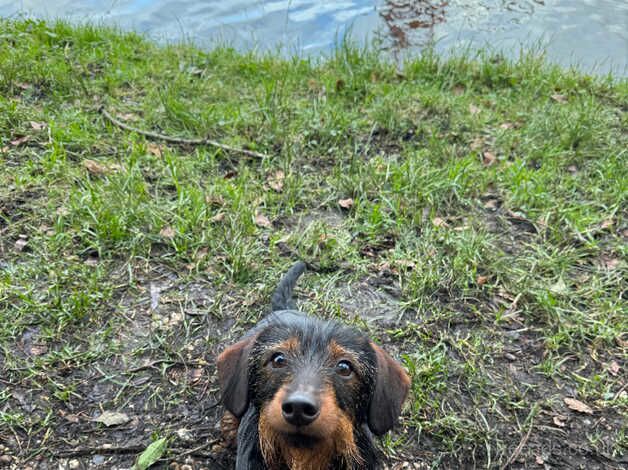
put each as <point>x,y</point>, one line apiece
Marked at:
<point>308,394</point>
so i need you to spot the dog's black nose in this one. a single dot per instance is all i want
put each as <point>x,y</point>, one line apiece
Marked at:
<point>300,409</point>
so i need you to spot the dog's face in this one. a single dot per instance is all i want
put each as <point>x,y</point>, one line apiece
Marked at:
<point>313,382</point>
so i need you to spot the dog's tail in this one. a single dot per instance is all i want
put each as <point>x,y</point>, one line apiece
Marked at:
<point>282,297</point>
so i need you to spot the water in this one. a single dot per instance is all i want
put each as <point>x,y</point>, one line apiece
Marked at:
<point>589,34</point>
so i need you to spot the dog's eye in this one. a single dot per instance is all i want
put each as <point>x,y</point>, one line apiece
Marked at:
<point>278,360</point>
<point>344,368</point>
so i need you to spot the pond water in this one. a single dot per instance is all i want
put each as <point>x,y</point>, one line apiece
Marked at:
<point>589,34</point>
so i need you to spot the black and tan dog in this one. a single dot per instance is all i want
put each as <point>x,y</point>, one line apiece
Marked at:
<point>308,394</point>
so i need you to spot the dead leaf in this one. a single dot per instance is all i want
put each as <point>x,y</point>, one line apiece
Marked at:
<point>127,116</point>
<point>621,342</point>
<point>613,368</point>
<point>488,158</point>
<point>608,223</point>
<point>219,217</point>
<point>96,168</point>
<point>559,287</point>
<point>275,181</point>
<point>539,460</point>
<point>20,244</point>
<point>70,418</point>
<point>23,85</point>
<point>91,261</point>
<point>37,125</point>
<point>112,418</point>
<point>154,149</point>
<point>439,222</point>
<point>38,349</point>
<point>578,406</point>
<point>559,420</point>
<point>473,109</point>
<point>507,125</point>
<point>202,253</point>
<point>345,203</point>
<point>262,221</point>
<point>215,200</point>
<point>195,375</point>
<point>20,140</point>
<point>477,143</point>
<point>609,262</point>
<point>4,149</point>
<point>492,204</point>
<point>559,98</point>
<point>167,232</point>
<point>573,169</point>
<point>481,280</point>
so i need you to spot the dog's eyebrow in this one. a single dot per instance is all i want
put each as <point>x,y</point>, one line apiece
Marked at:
<point>338,352</point>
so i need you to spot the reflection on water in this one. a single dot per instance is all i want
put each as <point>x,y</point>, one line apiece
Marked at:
<point>590,33</point>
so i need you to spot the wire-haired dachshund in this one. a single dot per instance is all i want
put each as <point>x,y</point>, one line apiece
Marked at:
<point>308,394</point>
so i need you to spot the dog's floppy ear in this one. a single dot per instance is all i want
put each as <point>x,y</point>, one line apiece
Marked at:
<point>391,388</point>
<point>233,375</point>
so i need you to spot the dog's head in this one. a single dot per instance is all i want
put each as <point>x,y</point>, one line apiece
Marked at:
<point>314,382</point>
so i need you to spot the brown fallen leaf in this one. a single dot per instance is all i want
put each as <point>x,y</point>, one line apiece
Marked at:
<point>492,204</point>
<point>275,181</point>
<point>559,420</point>
<point>19,141</point>
<point>507,125</point>
<point>195,375</point>
<point>578,406</point>
<point>219,217</point>
<point>112,418</point>
<point>439,222</point>
<point>37,125</point>
<point>20,244</point>
<point>215,200</point>
<point>477,143</point>
<point>38,349</point>
<point>481,280</point>
<point>559,98</point>
<point>154,149</point>
<point>488,158</point>
<point>573,169</point>
<point>96,168</point>
<point>608,223</point>
<point>262,221</point>
<point>613,368</point>
<point>167,232</point>
<point>346,203</point>
<point>609,262</point>
<point>458,90</point>
<point>473,109</point>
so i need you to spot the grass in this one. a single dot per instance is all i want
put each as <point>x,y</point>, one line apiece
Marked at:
<point>484,243</point>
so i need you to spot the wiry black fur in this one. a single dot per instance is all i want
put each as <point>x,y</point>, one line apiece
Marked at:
<point>314,337</point>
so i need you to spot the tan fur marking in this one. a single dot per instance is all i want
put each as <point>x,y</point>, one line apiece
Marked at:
<point>333,428</point>
<point>229,429</point>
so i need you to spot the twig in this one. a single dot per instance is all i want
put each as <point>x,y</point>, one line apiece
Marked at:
<point>178,140</point>
<point>196,449</point>
<point>104,450</point>
<point>519,448</point>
